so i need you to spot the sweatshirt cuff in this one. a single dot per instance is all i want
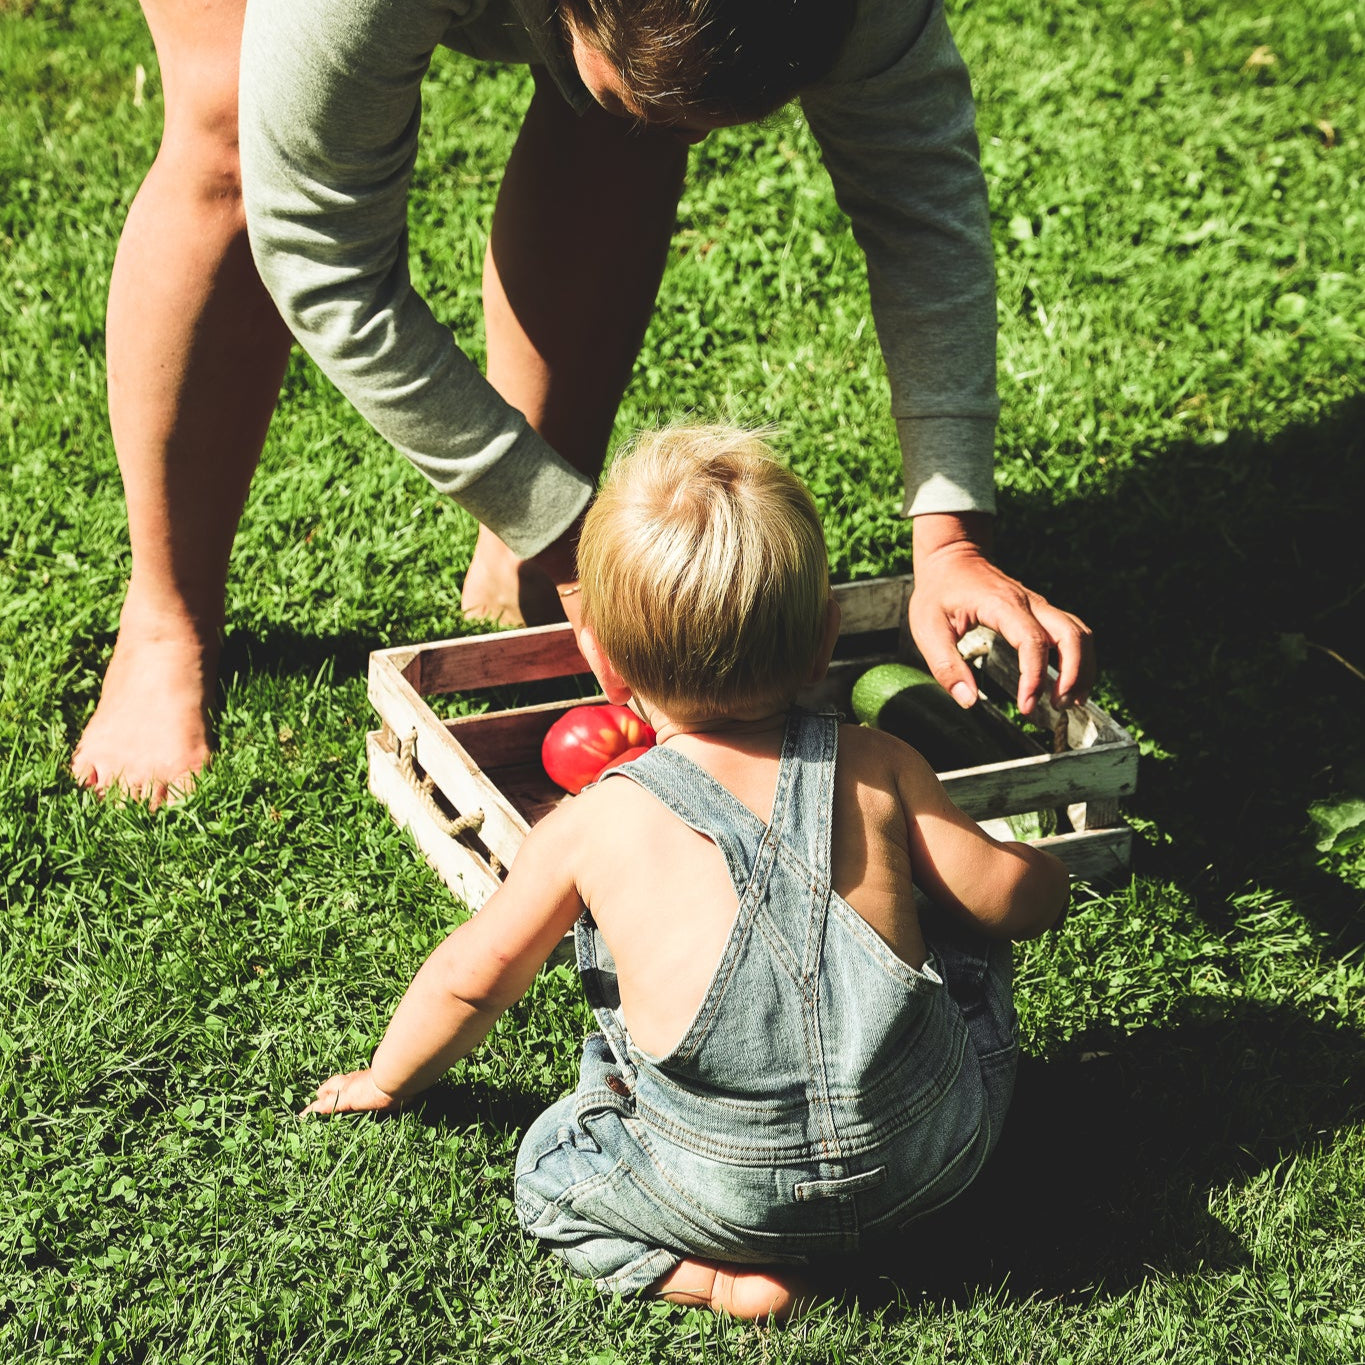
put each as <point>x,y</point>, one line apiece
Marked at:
<point>529,497</point>
<point>948,464</point>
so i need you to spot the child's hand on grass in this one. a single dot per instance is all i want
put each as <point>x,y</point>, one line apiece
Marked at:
<point>351,1092</point>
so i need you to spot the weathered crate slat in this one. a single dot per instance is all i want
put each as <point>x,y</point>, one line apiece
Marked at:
<point>482,661</point>
<point>1022,784</point>
<point>480,776</point>
<point>463,868</point>
<point>458,778</point>
<point>1099,855</point>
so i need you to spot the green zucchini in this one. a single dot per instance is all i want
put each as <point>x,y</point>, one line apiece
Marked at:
<point>906,702</point>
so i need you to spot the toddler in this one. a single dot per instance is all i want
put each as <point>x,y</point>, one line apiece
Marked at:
<point>791,1063</point>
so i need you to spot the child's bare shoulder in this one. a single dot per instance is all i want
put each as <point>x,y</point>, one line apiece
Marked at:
<point>585,833</point>
<point>874,762</point>
<point>610,804</point>
<point>576,817</point>
<point>555,836</point>
<point>608,824</point>
<point>875,751</point>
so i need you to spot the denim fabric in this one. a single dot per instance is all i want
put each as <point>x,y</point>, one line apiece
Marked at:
<point>825,1093</point>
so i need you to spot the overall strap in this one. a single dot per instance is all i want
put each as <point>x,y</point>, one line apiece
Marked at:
<point>749,848</point>
<point>804,849</point>
<point>597,971</point>
<point>708,807</point>
<point>702,803</point>
<point>794,846</point>
<point>810,820</point>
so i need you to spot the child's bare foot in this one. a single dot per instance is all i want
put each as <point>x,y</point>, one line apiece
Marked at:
<point>758,1295</point>
<point>510,591</point>
<point>149,737</point>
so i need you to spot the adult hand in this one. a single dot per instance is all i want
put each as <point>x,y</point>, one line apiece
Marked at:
<point>559,560</point>
<point>957,587</point>
<point>351,1092</point>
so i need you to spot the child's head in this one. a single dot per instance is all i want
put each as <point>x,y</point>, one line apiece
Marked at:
<point>705,579</point>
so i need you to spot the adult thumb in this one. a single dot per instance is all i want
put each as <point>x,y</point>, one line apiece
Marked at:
<point>938,645</point>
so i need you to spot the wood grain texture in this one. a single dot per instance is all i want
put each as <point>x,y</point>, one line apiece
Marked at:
<point>874,604</point>
<point>457,776</point>
<point>1101,856</point>
<point>511,656</point>
<point>1024,784</point>
<point>498,738</point>
<point>473,664</point>
<point>467,875</point>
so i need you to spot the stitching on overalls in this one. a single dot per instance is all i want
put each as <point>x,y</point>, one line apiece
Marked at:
<point>690,1107</point>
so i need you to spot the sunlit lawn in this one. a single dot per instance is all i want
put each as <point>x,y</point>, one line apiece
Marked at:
<point>1180,223</point>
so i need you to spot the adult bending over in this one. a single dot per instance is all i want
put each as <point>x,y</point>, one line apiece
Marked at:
<point>329,106</point>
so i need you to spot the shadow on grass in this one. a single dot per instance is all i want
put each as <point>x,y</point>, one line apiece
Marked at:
<point>287,652</point>
<point>466,1104</point>
<point>1108,1163</point>
<point>279,652</point>
<point>1216,578</point>
<point>463,1103</point>
<point>1104,1173</point>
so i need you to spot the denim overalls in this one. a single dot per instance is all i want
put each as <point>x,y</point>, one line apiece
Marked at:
<point>824,1094</point>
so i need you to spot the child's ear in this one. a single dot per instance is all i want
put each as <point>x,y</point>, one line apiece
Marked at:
<point>613,685</point>
<point>827,641</point>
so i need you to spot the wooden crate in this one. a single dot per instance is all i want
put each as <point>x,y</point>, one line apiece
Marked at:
<point>470,788</point>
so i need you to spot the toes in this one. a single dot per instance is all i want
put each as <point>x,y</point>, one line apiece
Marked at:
<point>82,772</point>
<point>494,613</point>
<point>756,1296</point>
<point>119,792</point>
<point>178,792</point>
<point>86,777</point>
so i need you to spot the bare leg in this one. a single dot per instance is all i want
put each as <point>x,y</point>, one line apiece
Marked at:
<point>196,354</point>
<point>769,1295</point>
<point>579,241</point>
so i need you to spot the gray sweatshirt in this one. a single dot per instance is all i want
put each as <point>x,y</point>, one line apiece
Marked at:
<point>329,114</point>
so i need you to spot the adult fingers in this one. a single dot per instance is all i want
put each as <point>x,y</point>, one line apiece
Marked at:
<point>937,642</point>
<point>1015,620</point>
<point>1035,627</point>
<point>1075,647</point>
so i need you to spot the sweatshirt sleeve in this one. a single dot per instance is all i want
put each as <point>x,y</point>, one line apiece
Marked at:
<point>330,106</point>
<point>896,126</point>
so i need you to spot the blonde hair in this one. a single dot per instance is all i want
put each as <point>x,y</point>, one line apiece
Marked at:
<point>704,572</point>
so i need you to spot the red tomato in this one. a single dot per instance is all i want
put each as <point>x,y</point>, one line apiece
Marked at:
<point>626,757</point>
<point>586,738</point>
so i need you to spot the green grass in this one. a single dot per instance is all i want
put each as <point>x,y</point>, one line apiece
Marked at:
<point>1180,218</point>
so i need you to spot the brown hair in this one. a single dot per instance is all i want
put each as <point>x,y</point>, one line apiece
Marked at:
<point>705,576</point>
<point>735,60</point>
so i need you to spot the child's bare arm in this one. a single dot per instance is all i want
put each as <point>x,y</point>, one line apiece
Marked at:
<point>1009,890</point>
<point>484,966</point>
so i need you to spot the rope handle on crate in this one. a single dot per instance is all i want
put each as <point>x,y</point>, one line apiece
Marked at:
<point>425,790</point>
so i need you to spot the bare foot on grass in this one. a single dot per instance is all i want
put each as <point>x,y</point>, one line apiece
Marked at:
<point>149,737</point>
<point>506,590</point>
<point>755,1295</point>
